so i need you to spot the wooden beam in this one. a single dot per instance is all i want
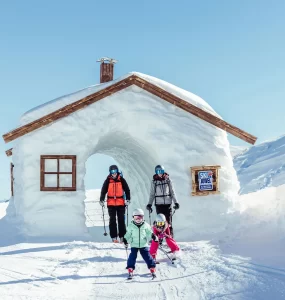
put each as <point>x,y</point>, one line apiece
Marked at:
<point>196,111</point>
<point>133,79</point>
<point>206,167</point>
<point>205,193</point>
<point>9,152</point>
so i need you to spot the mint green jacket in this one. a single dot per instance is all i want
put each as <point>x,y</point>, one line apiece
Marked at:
<point>138,236</point>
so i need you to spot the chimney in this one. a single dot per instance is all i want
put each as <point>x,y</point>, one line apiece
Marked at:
<point>106,69</point>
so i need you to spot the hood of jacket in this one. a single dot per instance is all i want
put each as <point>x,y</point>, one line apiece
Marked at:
<point>163,177</point>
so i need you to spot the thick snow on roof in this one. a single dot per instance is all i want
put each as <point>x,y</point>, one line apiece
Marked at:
<point>60,102</point>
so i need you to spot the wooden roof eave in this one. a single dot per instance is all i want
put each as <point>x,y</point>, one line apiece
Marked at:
<point>9,152</point>
<point>118,86</point>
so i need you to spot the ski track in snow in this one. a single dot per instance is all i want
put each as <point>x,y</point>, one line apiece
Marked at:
<point>87,270</point>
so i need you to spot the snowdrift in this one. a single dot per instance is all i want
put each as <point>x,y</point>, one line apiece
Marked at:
<point>261,166</point>
<point>258,229</point>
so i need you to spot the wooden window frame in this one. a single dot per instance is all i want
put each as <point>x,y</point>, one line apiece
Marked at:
<point>195,184</point>
<point>12,178</point>
<point>58,188</point>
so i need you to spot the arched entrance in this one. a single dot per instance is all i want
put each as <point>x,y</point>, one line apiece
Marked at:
<point>133,160</point>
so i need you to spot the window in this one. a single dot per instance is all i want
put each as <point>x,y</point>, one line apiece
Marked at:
<point>205,180</point>
<point>12,178</point>
<point>58,172</point>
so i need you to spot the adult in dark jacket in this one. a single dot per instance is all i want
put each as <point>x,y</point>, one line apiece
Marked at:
<point>162,193</point>
<point>115,186</point>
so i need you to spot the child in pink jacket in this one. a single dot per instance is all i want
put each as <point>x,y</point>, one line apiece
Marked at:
<point>161,230</point>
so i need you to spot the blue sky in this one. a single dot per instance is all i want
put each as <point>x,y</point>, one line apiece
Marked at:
<point>231,53</point>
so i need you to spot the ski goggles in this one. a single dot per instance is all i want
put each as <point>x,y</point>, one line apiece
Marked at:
<point>159,171</point>
<point>138,218</point>
<point>160,224</point>
<point>114,171</point>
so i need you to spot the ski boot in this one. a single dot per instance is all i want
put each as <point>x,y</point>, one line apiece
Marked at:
<point>114,240</point>
<point>152,271</point>
<point>131,273</point>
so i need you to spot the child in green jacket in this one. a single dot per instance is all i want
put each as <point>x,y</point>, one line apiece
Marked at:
<point>138,235</point>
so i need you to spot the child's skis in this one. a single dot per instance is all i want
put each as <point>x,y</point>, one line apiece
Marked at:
<point>131,274</point>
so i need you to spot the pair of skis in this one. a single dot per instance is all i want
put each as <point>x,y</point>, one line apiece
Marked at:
<point>131,276</point>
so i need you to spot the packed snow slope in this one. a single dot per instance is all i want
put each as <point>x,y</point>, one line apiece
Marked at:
<point>96,270</point>
<point>138,130</point>
<point>261,166</point>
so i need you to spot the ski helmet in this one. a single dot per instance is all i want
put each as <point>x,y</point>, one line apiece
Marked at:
<point>138,212</point>
<point>160,220</point>
<point>138,216</point>
<point>159,169</point>
<point>113,169</point>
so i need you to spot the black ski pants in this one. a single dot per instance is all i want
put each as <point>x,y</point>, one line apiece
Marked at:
<point>167,211</point>
<point>117,212</point>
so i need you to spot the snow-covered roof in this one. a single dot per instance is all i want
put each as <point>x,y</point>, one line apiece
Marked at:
<point>63,106</point>
<point>60,102</point>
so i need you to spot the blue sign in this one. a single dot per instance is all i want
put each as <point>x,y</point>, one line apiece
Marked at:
<point>205,179</point>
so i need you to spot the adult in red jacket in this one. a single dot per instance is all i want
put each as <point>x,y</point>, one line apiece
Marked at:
<point>115,186</point>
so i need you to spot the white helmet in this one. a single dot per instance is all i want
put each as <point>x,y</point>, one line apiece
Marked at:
<point>138,216</point>
<point>138,212</point>
<point>160,218</point>
<point>160,221</point>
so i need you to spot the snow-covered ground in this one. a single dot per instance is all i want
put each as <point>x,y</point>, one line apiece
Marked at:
<point>96,269</point>
<point>260,166</point>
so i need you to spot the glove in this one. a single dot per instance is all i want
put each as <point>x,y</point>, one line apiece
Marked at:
<point>160,242</point>
<point>102,203</point>
<point>148,207</point>
<point>127,202</point>
<point>176,206</point>
<point>154,238</point>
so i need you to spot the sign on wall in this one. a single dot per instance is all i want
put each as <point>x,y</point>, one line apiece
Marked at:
<point>205,179</point>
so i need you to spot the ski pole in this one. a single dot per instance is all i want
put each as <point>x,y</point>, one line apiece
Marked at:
<point>127,215</point>
<point>105,233</point>
<point>127,252</point>
<point>149,217</point>
<point>166,254</point>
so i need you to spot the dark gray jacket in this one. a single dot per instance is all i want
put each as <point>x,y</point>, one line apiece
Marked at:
<point>162,191</point>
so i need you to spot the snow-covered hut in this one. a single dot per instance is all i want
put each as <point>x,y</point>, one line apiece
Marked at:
<point>140,121</point>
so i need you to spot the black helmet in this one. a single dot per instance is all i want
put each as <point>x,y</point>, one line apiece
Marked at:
<point>113,167</point>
